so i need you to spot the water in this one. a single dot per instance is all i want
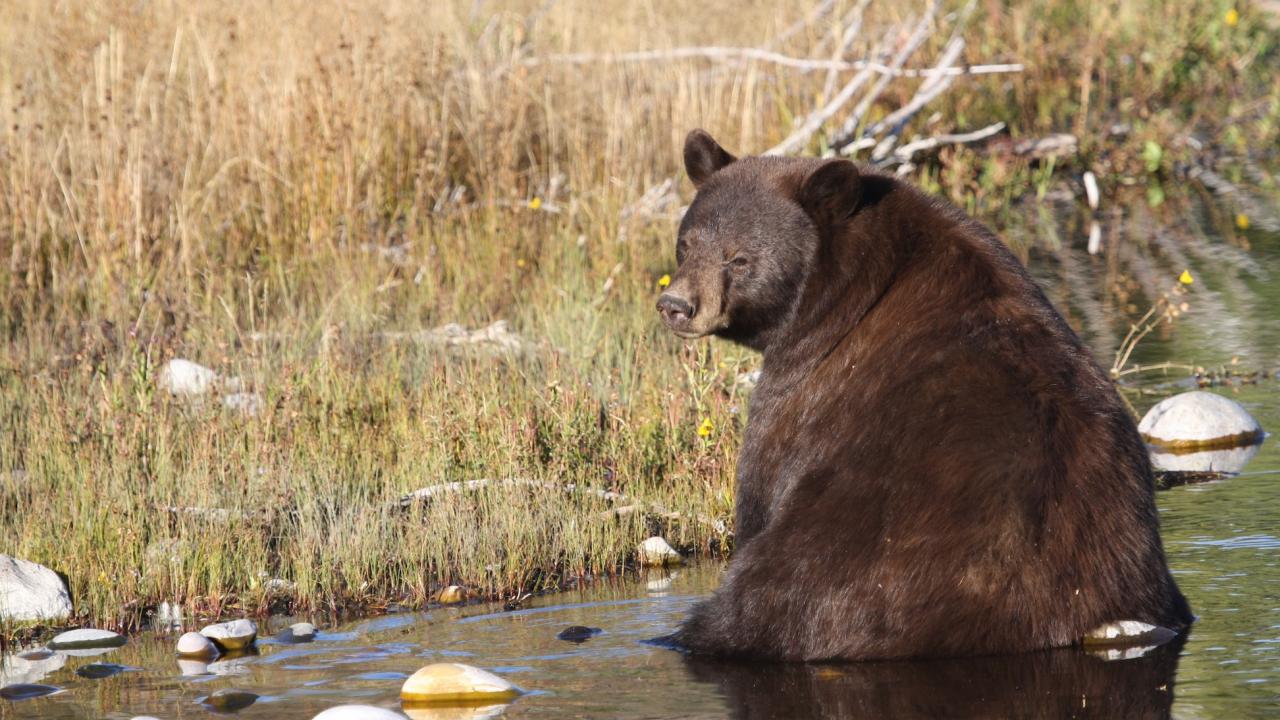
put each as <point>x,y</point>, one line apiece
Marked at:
<point>1222,539</point>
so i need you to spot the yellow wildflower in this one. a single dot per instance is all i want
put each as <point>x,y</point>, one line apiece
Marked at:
<point>1242,221</point>
<point>520,263</point>
<point>706,428</point>
<point>1233,17</point>
<point>664,281</point>
<point>535,203</point>
<point>1185,278</point>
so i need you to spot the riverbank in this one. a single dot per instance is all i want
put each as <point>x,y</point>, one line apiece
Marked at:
<point>305,211</point>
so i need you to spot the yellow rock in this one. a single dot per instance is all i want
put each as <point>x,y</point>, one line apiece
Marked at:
<point>456,683</point>
<point>452,594</point>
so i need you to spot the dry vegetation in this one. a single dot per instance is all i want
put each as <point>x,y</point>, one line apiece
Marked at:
<point>270,188</point>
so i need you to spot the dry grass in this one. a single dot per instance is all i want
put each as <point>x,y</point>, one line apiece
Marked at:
<point>214,181</point>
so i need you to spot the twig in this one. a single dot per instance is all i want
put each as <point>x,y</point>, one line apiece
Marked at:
<point>852,29</point>
<point>1164,366</point>
<point>932,88</point>
<point>906,153</point>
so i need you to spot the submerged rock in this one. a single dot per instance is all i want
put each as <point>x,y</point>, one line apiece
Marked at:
<point>31,592</point>
<point>87,639</point>
<point>234,635</point>
<point>29,667</point>
<point>97,671</point>
<point>25,691</point>
<point>195,645</point>
<point>302,632</point>
<point>455,682</point>
<point>193,667</point>
<point>358,712</point>
<point>1199,420</point>
<point>578,633</point>
<point>455,712</point>
<point>229,700</point>
<point>655,552</point>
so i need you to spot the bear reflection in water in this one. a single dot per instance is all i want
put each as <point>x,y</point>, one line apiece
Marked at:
<point>1062,683</point>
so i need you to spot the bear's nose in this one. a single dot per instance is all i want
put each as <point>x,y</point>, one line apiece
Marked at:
<point>674,308</point>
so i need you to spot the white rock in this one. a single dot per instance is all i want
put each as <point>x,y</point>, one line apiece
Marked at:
<point>31,592</point>
<point>448,682</point>
<point>183,377</point>
<point>86,639</point>
<point>1229,460</point>
<point>195,645</point>
<point>29,667</point>
<point>246,403</point>
<point>302,632</point>
<point>655,552</point>
<point>1199,419</point>
<point>358,712</point>
<point>1125,632</point>
<point>232,635</point>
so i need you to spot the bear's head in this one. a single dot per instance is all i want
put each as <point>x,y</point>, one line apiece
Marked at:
<point>750,238</point>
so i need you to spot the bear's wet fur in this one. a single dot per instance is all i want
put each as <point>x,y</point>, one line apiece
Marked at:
<point>934,465</point>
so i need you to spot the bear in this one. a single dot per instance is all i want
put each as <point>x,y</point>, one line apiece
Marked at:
<point>933,464</point>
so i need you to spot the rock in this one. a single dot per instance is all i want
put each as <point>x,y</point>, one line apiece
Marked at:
<point>29,667</point>
<point>229,700</point>
<point>1128,632</point>
<point>655,552</point>
<point>455,682</point>
<point>87,639</point>
<point>168,617</point>
<point>187,379</point>
<point>452,594</point>
<point>246,403</point>
<point>297,633</point>
<point>1199,420</point>
<point>26,691</point>
<point>358,712</point>
<point>97,671</point>
<point>195,645</point>
<point>30,592</point>
<point>233,635</point>
<point>578,633</point>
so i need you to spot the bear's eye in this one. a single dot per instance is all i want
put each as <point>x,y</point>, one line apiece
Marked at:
<point>738,262</point>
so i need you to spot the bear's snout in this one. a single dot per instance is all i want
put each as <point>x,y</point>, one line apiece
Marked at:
<point>676,311</point>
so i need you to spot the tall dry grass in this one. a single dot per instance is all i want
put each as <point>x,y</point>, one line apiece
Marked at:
<point>267,187</point>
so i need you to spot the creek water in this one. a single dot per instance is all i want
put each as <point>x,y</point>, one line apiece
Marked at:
<point>1220,537</point>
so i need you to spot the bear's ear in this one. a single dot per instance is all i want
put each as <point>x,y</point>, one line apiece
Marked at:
<point>830,194</point>
<point>703,156</point>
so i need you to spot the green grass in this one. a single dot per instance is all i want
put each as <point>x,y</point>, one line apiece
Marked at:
<point>191,181</point>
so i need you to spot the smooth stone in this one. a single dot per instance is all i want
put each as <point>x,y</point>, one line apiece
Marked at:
<point>232,635</point>
<point>455,682</point>
<point>97,671</point>
<point>655,552</point>
<point>454,712</point>
<point>31,592</point>
<point>30,667</point>
<point>195,645</point>
<point>1229,460</point>
<point>1199,419</point>
<point>358,712</point>
<point>302,632</point>
<point>26,691</point>
<point>578,633</point>
<point>229,700</point>
<point>1129,632</point>
<point>183,377</point>
<point>452,594</point>
<point>87,639</point>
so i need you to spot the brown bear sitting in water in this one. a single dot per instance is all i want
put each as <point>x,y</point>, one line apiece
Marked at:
<point>934,464</point>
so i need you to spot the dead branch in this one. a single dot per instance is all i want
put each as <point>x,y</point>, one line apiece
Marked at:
<point>907,153</point>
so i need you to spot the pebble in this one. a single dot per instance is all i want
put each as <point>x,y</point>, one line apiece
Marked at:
<point>97,671</point>
<point>455,682</point>
<point>234,635</point>
<point>229,700</point>
<point>302,632</point>
<point>195,645</point>
<point>578,633</point>
<point>85,639</point>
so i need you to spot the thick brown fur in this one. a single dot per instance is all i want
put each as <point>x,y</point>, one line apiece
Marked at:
<point>934,464</point>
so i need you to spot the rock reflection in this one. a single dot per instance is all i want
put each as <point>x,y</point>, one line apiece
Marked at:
<point>1067,683</point>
